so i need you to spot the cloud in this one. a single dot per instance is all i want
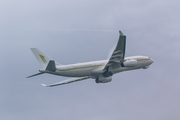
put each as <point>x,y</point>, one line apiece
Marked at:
<point>151,28</point>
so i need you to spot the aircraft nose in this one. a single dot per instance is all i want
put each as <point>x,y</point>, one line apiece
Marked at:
<point>151,61</point>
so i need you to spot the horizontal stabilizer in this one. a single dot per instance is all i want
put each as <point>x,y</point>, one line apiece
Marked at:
<point>66,81</point>
<point>34,75</point>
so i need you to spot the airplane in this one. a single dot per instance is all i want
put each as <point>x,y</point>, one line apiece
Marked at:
<point>102,71</point>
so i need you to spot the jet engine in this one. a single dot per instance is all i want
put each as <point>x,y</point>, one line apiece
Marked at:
<point>129,63</point>
<point>102,79</point>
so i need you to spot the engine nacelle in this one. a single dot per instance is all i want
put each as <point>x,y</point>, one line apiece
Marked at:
<point>129,63</point>
<point>102,79</point>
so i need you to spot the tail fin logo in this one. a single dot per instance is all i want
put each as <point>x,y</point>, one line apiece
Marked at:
<point>42,58</point>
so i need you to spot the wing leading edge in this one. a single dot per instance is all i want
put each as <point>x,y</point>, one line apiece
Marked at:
<point>67,81</point>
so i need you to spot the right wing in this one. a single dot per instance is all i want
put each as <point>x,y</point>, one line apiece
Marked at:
<point>119,52</point>
<point>67,81</point>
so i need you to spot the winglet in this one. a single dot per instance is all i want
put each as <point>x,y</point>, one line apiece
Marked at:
<point>44,85</point>
<point>121,34</point>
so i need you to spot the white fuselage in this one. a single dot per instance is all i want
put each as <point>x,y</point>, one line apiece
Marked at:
<point>90,68</point>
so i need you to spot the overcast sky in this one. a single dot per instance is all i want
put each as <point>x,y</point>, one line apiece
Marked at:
<point>72,31</point>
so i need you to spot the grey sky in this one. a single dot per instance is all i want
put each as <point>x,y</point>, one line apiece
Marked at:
<point>152,29</point>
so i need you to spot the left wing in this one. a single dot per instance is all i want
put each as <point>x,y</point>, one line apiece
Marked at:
<point>67,81</point>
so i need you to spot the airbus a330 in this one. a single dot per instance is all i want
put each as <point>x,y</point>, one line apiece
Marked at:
<point>102,71</point>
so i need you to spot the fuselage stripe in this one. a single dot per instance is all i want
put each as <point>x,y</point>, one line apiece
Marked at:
<point>142,59</point>
<point>82,67</point>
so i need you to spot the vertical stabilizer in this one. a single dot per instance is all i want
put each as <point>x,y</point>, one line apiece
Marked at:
<point>42,58</point>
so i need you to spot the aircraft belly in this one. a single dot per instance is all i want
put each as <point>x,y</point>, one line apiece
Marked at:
<point>141,64</point>
<point>77,72</point>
